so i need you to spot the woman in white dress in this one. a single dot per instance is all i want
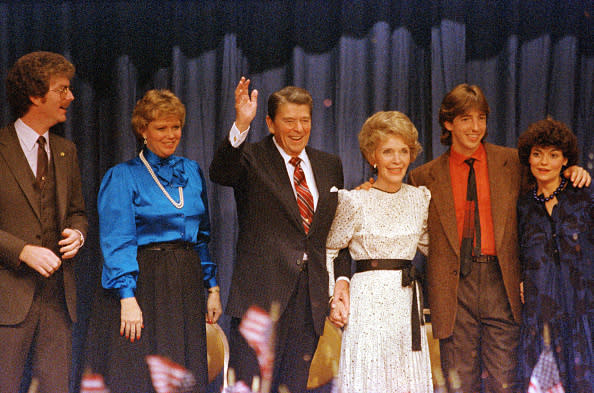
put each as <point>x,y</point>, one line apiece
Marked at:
<point>384,345</point>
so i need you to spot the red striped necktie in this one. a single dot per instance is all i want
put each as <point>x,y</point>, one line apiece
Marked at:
<point>304,197</point>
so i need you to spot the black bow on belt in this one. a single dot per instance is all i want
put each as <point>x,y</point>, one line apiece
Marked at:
<point>410,276</point>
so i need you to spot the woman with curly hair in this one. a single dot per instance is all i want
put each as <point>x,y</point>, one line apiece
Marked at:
<point>556,227</point>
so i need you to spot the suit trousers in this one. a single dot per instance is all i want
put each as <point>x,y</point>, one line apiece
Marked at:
<point>483,346</point>
<point>43,339</point>
<point>295,345</point>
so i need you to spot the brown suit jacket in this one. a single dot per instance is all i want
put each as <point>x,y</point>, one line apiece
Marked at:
<point>443,262</point>
<point>20,222</point>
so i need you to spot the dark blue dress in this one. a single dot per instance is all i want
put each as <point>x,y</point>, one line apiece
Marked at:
<point>557,252</point>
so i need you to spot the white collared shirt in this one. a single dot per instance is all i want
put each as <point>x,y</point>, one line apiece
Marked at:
<point>236,138</point>
<point>28,140</point>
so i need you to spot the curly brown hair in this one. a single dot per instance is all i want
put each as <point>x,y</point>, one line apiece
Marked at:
<point>548,133</point>
<point>30,77</point>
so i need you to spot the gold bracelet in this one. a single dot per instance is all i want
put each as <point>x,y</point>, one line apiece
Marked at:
<point>214,289</point>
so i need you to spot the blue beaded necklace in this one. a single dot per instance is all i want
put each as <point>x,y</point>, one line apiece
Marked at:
<point>541,198</point>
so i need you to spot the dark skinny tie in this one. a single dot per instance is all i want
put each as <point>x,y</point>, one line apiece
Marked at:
<point>41,161</point>
<point>471,235</point>
<point>304,197</point>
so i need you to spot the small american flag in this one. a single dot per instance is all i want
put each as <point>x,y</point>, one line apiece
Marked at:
<point>256,327</point>
<point>545,376</point>
<point>239,387</point>
<point>168,376</point>
<point>92,383</point>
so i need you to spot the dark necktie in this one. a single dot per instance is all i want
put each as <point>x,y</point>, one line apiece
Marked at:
<point>41,161</point>
<point>471,235</point>
<point>304,197</point>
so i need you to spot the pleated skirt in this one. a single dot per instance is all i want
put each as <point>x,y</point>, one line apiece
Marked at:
<point>171,297</point>
<point>376,352</point>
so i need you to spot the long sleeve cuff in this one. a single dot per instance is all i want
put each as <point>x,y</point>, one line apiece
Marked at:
<point>126,292</point>
<point>209,268</point>
<point>236,138</point>
<point>209,272</point>
<point>82,238</point>
<point>343,278</point>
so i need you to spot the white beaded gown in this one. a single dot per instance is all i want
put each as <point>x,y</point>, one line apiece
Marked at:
<point>376,352</point>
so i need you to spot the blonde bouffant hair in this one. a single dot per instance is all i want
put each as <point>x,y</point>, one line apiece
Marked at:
<point>156,104</point>
<point>380,126</point>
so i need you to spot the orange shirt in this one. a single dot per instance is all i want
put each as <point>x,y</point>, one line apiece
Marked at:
<point>459,174</point>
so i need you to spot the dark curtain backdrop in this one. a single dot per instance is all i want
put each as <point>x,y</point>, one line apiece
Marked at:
<point>532,59</point>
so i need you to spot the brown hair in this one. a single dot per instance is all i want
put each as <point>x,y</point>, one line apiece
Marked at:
<point>380,126</point>
<point>459,101</point>
<point>548,133</point>
<point>156,104</point>
<point>30,77</point>
<point>289,94</point>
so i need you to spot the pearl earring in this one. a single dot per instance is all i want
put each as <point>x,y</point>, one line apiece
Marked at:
<point>374,166</point>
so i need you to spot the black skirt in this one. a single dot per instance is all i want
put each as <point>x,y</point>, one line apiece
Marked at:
<point>170,294</point>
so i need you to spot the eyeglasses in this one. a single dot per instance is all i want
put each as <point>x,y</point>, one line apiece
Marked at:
<point>63,91</point>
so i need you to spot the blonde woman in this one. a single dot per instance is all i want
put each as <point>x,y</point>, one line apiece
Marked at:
<point>154,231</point>
<point>384,346</point>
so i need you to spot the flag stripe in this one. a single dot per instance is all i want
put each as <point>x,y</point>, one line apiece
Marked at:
<point>92,383</point>
<point>256,327</point>
<point>168,376</point>
<point>545,375</point>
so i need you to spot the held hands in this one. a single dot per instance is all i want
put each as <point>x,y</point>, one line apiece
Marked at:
<point>213,305</point>
<point>131,319</point>
<point>340,304</point>
<point>578,176</point>
<point>338,313</point>
<point>40,259</point>
<point>70,243</point>
<point>245,106</point>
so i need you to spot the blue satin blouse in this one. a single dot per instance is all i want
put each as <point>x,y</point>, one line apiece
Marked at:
<point>133,211</point>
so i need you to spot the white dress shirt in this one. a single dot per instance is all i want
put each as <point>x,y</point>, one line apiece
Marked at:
<point>28,140</point>
<point>236,138</point>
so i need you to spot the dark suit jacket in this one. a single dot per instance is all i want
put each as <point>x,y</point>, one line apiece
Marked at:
<point>20,222</point>
<point>443,262</point>
<point>271,238</point>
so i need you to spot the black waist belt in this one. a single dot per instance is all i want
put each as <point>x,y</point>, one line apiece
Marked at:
<point>382,264</point>
<point>409,277</point>
<point>167,246</point>
<point>485,259</point>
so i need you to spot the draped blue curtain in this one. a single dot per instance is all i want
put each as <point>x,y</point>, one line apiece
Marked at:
<point>532,59</point>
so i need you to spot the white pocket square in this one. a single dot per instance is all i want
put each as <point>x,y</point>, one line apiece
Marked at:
<point>334,189</point>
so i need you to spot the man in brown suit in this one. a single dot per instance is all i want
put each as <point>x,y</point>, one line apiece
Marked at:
<point>475,314</point>
<point>42,226</point>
